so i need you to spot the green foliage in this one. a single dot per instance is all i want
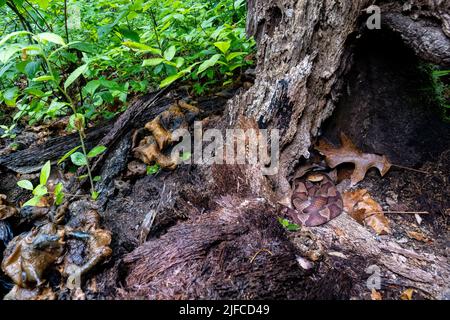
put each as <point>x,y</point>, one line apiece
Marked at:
<point>114,49</point>
<point>78,158</point>
<point>87,64</point>
<point>154,169</point>
<point>8,131</point>
<point>441,82</point>
<point>289,226</point>
<point>41,189</point>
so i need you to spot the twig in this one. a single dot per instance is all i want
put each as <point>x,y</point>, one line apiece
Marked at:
<point>260,251</point>
<point>405,212</point>
<point>372,213</point>
<point>410,169</point>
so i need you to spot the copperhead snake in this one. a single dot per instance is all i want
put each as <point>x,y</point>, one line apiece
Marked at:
<point>315,200</point>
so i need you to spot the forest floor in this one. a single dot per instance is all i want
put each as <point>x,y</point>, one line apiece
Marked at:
<point>381,117</point>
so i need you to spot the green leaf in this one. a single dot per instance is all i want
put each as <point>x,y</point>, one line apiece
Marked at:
<point>33,50</point>
<point>152,62</point>
<point>12,35</point>
<point>78,159</point>
<point>58,194</point>
<point>129,34</point>
<point>141,47</point>
<point>35,92</point>
<point>70,44</point>
<point>223,46</point>
<point>97,178</point>
<point>96,151</point>
<point>94,195</point>
<point>153,169</point>
<point>31,68</point>
<point>45,173</point>
<point>43,78</point>
<point>91,87</point>
<point>67,155</point>
<point>441,73</point>
<point>50,37</point>
<point>179,62</point>
<point>10,96</point>
<point>169,54</point>
<point>169,80</point>
<point>8,51</point>
<point>25,184</point>
<point>84,47</point>
<point>40,190</point>
<point>74,75</point>
<point>185,156</point>
<point>233,55</point>
<point>58,188</point>
<point>32,202</point>
<point>43,4</point>
<point>292,227</point>
<point>208,63</point>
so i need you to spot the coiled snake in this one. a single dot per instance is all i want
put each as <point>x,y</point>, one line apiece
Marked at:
<point>315,200</point>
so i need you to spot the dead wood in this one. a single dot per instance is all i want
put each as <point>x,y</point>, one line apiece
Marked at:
<point>32,159</point>
<point>304,50</point>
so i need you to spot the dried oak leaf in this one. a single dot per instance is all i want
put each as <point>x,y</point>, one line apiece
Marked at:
<point>349,153</point>
<point>407,294</point>
<point>364,209</point>
<point>419,236</point>
<point>375,295</point>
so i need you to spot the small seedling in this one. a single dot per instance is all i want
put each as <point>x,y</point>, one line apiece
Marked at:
<point>289,226</point>
<point>41,190</point>
<point>154,169</point>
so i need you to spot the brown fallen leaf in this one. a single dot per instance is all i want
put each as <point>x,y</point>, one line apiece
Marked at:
<point>375,295</point>
<point>349,153</point>
<point>418,236</point>
<point>407,294</point>
<point>364,209</point>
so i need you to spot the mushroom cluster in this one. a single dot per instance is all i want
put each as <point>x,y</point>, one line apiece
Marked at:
<point>52,248</point>
<point>151,148</point>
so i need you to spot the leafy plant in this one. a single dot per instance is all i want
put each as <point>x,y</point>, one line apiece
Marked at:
<point>81,160</point>
<point>41,190</point>
<point>84,59</point>
<point>441,81</point>
<point>154,169</point>
<point>8,131</point>
<point>289,226</point>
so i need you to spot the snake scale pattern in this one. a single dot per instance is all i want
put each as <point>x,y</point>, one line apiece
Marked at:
<point>315,200</point>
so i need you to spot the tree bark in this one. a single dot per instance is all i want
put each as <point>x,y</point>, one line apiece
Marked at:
<point>304,50</point>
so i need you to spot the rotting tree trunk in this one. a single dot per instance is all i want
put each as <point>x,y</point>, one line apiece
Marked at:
<point>304,50</point>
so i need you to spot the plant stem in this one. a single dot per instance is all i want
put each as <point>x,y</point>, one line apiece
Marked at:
<point>83,147</point>
<point>80,131</point>
<point>65,21</point>
<point>410,169</point>
<point>25,24</point>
